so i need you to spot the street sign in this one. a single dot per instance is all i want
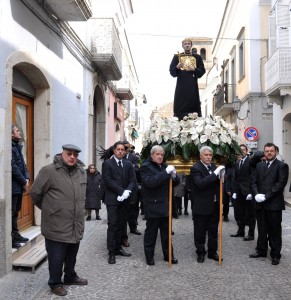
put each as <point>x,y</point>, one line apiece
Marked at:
<point>251,134</point>
<point>252,145</point>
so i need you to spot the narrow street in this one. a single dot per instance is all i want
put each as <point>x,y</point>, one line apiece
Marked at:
<point>239,277</point>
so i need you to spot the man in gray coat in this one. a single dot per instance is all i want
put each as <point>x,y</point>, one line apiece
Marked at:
<point>59,191</point>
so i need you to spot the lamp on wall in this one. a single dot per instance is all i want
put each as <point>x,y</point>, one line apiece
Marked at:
<point>236,107</point>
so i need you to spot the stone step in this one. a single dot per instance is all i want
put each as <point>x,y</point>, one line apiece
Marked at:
<point>32,257</point>
<point>30,254</point>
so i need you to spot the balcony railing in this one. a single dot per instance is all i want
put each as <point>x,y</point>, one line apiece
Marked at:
<point>124,87</point>
<point>106,48</point>
<point>71,10</point>
<point>278,72</point>
<point>223,99</point>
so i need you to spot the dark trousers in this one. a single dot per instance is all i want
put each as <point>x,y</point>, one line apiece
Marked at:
<point>269,229</point>
<point>15,208</point>
<point>61,255</point>
<point>226,199</point>
<point>246,214</point>
<point>151,233</point>
<point>187,197</point>
<point>177,205</point>
<point>206,224</point>
<point>133,213</point>
<point>117,218</point>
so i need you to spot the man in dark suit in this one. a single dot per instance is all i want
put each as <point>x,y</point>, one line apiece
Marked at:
<point>267,184</point>
<point>134,203</point>
<point>119,181</point>
<point>205,199</point>
<point>243,200</point>
<point>155,177</point>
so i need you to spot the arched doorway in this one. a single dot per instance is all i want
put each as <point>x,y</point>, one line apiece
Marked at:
<point>99,126</point>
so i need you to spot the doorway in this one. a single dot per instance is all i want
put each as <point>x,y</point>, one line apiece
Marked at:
<point>22,116</point>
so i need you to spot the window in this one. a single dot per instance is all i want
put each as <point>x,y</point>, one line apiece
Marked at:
<point>241,53</point>
<point>203,53</point>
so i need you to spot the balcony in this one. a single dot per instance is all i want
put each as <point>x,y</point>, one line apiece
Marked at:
<point>223,99</point>
<point>124,88</point>
<point>106,49</point>
<point>278,75</point>
<point>71,10</point>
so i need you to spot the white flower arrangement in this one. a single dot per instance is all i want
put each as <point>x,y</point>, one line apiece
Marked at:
<point>187,136</point>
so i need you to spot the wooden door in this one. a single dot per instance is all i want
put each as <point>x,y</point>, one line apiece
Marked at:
<point>22,116</point>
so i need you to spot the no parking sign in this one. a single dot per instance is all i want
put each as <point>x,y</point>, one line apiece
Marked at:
<point>251,134</point>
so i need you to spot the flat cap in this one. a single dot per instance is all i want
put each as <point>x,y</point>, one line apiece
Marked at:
<point>71,147</point>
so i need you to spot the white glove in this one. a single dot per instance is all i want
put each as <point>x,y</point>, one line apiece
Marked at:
<point>120,198</point>
<point>249,197</point>
<point>234,196</point>
<point>126,194</point>
<point>260,198</point>
<point>170,169</point>
<point>218,170</point>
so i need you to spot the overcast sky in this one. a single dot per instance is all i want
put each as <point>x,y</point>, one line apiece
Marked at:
<point>155,32</point>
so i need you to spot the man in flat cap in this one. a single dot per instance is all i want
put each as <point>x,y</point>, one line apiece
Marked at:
<point>59,192</point>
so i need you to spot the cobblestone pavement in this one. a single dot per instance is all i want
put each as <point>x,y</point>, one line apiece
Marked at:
<point>239,277</point>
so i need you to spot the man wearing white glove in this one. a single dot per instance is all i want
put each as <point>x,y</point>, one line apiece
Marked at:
<point>119,180</point>
<point>218,170</point>
<point>244,207</point>
<point>267,184</point>
<point>205,199</point>
<point>155,175</point>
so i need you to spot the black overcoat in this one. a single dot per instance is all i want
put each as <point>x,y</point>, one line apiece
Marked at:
<point>94,191</point>
<point>155,188</point>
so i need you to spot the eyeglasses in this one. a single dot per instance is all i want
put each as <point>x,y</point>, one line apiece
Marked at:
<point>75,154</point>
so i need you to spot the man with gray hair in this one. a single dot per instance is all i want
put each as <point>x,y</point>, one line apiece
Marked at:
<point>205,198</point>
<point>155,178</point>
<point>59,191</point>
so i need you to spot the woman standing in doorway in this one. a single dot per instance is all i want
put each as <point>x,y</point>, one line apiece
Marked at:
<point>94,191</point>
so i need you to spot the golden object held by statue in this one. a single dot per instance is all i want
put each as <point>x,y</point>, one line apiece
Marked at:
<point>188,61</point>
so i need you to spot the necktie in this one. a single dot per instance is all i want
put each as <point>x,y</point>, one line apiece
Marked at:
<point>268,164</point>
<point>119,164</point>
<point>240,163</point>
<point>209,169</point>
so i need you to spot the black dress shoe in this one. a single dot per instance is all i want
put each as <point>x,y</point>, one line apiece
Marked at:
<point>98,218</point>
<point>249,238</point>
<point>275,261</point>
<point>256,255</point>
<point>176,216</point>
<point>186,213</point>
<point>238,234</point>
<point>15,244</point>
<point>226,219</point>
<point>174,260</point>
<point>88,218</point>
<point>111,259</point>
<point>150,261</point>
<point>200,258</point>
<point>179,212</point>
<point>214,257</point>
<point>121,252</point>
<point>20,239</point>
<point>135,231</point>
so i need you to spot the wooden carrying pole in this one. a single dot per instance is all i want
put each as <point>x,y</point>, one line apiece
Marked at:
<point>170,221</point>
<point>220,218</point>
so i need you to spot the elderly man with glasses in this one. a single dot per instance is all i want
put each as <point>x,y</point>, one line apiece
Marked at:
<point>59,192</point>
